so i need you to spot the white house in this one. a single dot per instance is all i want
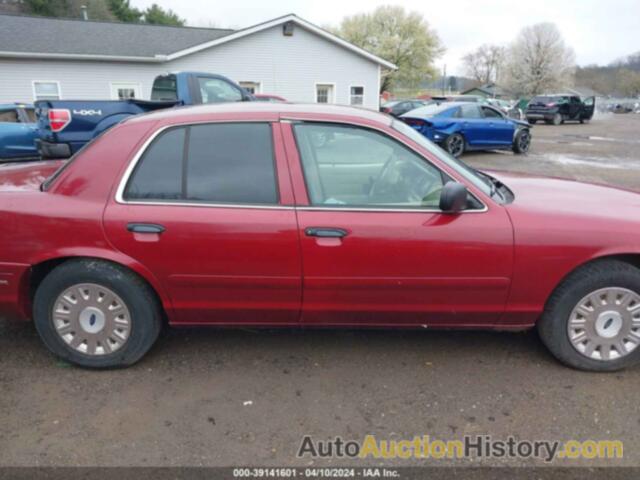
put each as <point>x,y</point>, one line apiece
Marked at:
<point>44,58</point>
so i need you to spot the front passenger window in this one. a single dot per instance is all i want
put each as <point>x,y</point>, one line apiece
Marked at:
<point>490,113</point>
<point>347,166</point>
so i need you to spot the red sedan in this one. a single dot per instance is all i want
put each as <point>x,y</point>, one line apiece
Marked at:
<point>295,215</point>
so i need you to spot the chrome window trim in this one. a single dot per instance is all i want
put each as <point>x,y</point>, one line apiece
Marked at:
<point>484,208</point>
<point>119,196</point>
<point>390,209</point>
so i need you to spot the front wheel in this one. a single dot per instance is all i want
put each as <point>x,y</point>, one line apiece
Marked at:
<point>455,144</point>
<point>96,314</point>
<point>592,320</point>
<point>557,119</point>
<point>522,141</point>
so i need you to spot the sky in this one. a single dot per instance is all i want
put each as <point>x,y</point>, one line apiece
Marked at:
<point>599,31</point>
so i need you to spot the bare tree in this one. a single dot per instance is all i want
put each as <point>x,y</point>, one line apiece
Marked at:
<point>484,63</point>
<point>538,60</point>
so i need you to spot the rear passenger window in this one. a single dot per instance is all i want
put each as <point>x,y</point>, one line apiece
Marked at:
<point>216,163</point>
<point>470,111</point>
<point>158,173</point>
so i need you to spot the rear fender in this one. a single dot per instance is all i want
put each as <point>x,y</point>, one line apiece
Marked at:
<point>109,122</point>
<point>100,254</point>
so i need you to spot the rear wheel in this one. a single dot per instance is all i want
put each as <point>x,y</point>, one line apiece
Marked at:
<point>533,121</point>
<point>522,141</point>
<point>455,144</point>
<point>96,314</point>
<point>592,320</point>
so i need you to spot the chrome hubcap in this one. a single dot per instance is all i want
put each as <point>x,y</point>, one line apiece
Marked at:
<point>605,325</point>
<point>91,319</point>
<point>524,141</point>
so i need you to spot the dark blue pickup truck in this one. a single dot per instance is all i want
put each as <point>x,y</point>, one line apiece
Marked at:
<point>65,126</point>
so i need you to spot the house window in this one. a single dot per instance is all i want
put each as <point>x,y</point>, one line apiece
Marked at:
<point>356,96</point>
<point>46,90</point>
<point>125,90</point>
<point>251,87</point>
<point>324,93</point>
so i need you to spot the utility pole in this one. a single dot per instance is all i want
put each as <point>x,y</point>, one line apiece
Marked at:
<point>444,77</point>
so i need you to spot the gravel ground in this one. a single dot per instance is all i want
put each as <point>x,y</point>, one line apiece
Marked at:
<point>242,397</point>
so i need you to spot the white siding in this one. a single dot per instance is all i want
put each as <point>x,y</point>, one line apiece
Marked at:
<point>285,66</point>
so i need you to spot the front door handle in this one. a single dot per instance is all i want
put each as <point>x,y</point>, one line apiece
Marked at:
<point>325,232</point>
<point>145,228</point>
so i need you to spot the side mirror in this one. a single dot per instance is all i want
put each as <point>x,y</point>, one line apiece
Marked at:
<point>453,197</point>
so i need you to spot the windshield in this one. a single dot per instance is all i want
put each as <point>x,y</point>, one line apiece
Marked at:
<point>478,180</point>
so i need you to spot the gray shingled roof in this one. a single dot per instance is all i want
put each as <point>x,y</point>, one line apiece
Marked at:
<point>61,36</point>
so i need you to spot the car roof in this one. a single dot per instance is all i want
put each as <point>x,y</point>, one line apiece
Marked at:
<point>435,109</point>
<point>459,104</point>
<point>238,110</point>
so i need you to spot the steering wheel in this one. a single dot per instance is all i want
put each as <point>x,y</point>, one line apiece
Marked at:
<point>373,190</point>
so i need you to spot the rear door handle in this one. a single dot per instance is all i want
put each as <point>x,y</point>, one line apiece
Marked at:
<point>145,228</point>
<point>325,232</point>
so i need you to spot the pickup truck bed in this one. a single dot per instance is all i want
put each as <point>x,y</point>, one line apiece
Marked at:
<point>65,126</point>
<point>84,120</point>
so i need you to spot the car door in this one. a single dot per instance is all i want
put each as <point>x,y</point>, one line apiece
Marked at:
<point>472,125</point>
<point>207,208</point>
<point>588,108</point>
<point>498,130</point>
<point>376,249</point>
<point>575,106</point>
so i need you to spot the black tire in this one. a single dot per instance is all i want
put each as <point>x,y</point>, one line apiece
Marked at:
<point>455,144</point>
<point>522,141</point>
<point>533,121</point>
<point>139,298</point>
<point>557,119</point>
<point>553,325</point>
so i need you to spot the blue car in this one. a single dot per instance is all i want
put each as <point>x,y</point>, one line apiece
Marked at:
<point>464,126</point>
<point>18,131</point>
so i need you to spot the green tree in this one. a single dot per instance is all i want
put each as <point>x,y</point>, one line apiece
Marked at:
<point>400,37</point>
<point>629,82</point>
<point>47,8</point>
<point>156,15</point>
<point>123,11</point>
<point>96,9</point>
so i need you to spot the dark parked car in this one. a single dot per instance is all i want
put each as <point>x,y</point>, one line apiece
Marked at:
<point>233,214</point>
<point>462,126</point>
<point>396,108</point>
<point>557,109</point>
<point>18,132</point>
